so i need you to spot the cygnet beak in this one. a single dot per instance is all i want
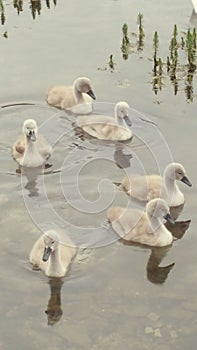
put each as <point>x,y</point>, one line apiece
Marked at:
<point>32,135</point>
<point>127,120</point>
<point>91,94</point>
<point>169,218</point>
<point>186,181</point>
<point>47,253</point>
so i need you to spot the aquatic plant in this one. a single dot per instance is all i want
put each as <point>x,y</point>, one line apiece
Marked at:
<point>182,43</point>
<point>3,19</point>
<point>5,34</point>
<point>35,7</point>
<point>189,86</point>
<point>124,49</point>
<point>111,63</point>
<point>125,33</point>
<point>1,6</point>
<point>191,49</point>
<point>155,48</point>
<point>157,66</point>
<point>48,3</point>
<point>180,63</point>
<point>141,33</point>
<point>18,4</point>
<point>125,42</point>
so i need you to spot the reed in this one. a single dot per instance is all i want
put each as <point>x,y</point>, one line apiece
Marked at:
<point>111,63</point>
<point>18,4</point>
<point>125,42</point>
<point>190,44</point>
<point>125,33</point>
<point>141,33</point>
<point>3,18</point>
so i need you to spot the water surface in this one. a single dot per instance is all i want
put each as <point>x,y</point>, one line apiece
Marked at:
<point>116,296</point>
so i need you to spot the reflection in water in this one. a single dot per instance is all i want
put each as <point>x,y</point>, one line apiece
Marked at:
<point>32,175</point>
<point>122,160</point>
<point>54,311</point>
<point>35,6</point>
<point>141,33</point>
<point>178,228</point>
<point>18,4</point>
<point>189,91</point>
<point>155,273</point>
<point>3,19</point>
<point>158,274</point>
<point>31,185</point>
<point>177,71</point>
<point>176,211</point>
<point>127,47</point>
<point>193,19</point>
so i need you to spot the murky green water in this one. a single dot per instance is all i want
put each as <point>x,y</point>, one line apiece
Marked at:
<point>118,297</point>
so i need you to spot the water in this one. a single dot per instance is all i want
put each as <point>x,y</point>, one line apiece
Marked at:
<point>116,296</point>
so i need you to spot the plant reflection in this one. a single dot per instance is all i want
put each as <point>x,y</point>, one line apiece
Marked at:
<point>176,70</point>
<point>35,7</point>
<point>3,19</point>
<point>18,4</point>
<point>155,273</point>
<point>126,46</point>
<point>54,311</point>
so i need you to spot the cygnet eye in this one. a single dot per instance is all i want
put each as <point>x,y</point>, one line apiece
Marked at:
<point>52,242</point>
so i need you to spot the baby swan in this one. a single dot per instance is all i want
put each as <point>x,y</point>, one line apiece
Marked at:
<point>143,227</point>
<point>51,256</point>
<point>67,96</point>
<point>31,150</point>
<point>148,187</point>
<point>106,127</point>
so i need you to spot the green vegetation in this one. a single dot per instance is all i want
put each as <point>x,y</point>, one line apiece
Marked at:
<point>179,65</point>
<point>127,46</point>
<point>34,6</point>
<point>111,63</point>
<point>3,19</point>
<point>125,42</point>
<point>141,33</point>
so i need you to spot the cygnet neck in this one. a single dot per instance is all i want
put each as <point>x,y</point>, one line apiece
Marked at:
<point>78,94</point>
<point>170,185</point>
<point>55,264</point>
<point>30,147</point>
<point>32,157</point>
<point>121,122</point>
<point>155,223</point>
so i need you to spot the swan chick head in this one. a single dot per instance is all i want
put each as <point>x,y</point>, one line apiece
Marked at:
<point>158,208</point>
<point>51,241</point>
<point>176,171</point>
<point>84,85</point>
<point>122,111</point>
<point>30,129</point>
